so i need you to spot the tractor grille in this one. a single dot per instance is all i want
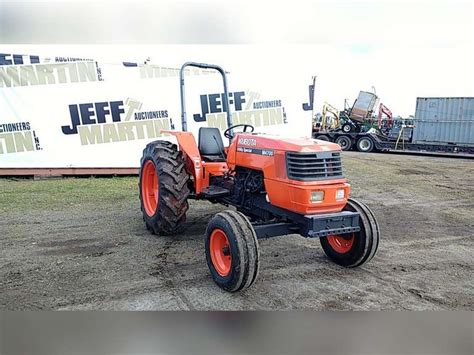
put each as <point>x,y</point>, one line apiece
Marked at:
<point>313,166</point>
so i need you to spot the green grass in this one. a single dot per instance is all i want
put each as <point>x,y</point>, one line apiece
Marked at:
<point>30,195</point>
<point>428,179</point>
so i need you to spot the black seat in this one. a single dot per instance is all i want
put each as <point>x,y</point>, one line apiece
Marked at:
<point>210,144</point>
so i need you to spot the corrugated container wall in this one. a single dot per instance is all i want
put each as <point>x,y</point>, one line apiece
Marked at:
<point>444,120</point>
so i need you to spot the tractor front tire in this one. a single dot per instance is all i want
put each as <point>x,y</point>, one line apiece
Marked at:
<point>163,186</point>
<point>355,249</point>
<point>232,251</point>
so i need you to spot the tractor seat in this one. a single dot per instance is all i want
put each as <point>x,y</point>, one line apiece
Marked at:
<point>211,146</point>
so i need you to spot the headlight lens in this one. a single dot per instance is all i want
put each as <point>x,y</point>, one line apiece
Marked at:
<point>317,196</point>
<point>340,194</point>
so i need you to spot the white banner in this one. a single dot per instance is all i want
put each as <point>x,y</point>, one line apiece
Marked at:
<point>59,112</point>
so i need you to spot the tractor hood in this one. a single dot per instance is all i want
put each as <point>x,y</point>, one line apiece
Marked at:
<point>266,141</point>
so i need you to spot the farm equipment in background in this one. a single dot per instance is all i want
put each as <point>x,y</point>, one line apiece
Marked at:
<point>358,126</point>
<point>384,123</point>
<point>328,120</point>
<point>361,116</point>
<point>356,123</point>
<point>277,186</point>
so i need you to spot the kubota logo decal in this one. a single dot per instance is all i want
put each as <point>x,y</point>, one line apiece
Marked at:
<point>114,121</point>
<point>248,141</point>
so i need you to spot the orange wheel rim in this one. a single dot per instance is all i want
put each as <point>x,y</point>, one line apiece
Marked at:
<point>149,188</point>
<point>341,243</point>
<point>220,252</point>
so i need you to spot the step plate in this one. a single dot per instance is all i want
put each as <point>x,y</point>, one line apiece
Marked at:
<point>214,192</point>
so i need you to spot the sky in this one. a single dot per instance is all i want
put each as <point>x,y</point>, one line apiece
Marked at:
<point>402,48</point>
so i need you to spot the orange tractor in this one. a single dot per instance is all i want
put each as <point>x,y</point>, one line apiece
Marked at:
<point>277,186</point>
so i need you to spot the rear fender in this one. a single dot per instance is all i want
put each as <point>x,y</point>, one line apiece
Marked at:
<point>187,145</point>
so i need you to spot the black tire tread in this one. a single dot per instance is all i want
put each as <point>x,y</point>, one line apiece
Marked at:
<point>371,232</point>
<point>252,246</point>
<point>372,236</point>
<point>376,227</point>
<point>247,245</point>
<point>173,188</point>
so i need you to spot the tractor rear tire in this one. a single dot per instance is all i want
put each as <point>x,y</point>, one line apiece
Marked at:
<point>345,142</point>
<point>163,186</point>
<point>355,249</point>
<point>232,251</point>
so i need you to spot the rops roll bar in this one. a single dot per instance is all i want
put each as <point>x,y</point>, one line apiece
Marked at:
<point>183,101</point>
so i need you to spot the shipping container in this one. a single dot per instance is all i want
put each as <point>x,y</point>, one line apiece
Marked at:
<point>447,120</point>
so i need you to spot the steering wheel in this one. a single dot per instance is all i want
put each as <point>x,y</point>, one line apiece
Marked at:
<point>228,131</point>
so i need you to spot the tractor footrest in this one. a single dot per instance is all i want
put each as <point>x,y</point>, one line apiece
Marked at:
<point>214,192</point>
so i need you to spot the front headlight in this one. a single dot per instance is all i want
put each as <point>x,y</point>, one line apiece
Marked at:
<point>317,196</point>
<point>340,194</point>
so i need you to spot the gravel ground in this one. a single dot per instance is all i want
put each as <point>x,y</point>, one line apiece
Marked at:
<point>81,244</point>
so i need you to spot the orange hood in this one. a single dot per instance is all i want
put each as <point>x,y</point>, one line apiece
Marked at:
<point>266,141</point>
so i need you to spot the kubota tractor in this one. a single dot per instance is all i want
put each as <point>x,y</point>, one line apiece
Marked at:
<point>277,186</point>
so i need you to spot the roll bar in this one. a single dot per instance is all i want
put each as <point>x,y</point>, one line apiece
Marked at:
<point>183,101</point>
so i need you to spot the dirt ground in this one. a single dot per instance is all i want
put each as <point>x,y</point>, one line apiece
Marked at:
<point>72,244</point>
